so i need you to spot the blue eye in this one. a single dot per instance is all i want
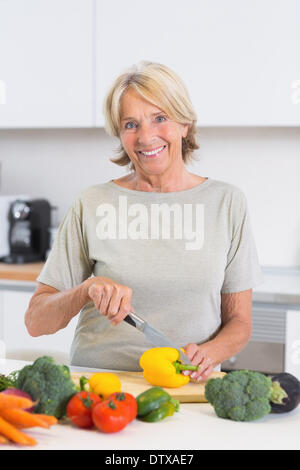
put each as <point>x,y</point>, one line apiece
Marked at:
<point>161,117</point>
<point>126,125</point>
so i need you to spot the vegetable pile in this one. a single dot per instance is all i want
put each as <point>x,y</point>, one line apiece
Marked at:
<point>44,392</point>
<point>245,395</point>
<point>111,410</point>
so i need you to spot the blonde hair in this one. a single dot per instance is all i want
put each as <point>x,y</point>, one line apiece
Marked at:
<point>163,88</point>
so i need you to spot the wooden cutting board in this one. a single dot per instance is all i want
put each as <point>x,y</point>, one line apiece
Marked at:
<point>134,383</point>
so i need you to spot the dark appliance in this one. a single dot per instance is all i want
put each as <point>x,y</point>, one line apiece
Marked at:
<point>29,235</point>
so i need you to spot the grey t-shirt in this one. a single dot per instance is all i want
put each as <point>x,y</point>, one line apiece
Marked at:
<point>178,251</point>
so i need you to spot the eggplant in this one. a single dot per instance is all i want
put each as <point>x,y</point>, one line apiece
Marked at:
<point>291,385</point>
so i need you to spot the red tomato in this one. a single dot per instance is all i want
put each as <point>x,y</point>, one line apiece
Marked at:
<point>110,416</point>
<point>128,401</point>
<point>79,408</point>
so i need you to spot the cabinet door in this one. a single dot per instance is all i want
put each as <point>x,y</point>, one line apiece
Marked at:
<point>239,60</point>
<point>18,343</point>
<point>46,50</point>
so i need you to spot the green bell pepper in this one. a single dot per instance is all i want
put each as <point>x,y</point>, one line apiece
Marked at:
<point>155,404</point>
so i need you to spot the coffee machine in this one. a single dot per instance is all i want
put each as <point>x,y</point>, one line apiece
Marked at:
<point>5,203</point>
<point>29,236</point>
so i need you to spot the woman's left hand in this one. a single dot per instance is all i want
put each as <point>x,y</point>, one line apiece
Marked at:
<point>199,356</point>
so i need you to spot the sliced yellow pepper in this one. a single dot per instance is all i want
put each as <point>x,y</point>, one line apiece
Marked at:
<point>162,368</point>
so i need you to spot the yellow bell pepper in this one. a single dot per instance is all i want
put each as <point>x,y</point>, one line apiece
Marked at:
<point>162,368</point>
<point>104,383</point>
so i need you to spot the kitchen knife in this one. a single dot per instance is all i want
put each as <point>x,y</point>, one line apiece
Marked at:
<point>154,336</point>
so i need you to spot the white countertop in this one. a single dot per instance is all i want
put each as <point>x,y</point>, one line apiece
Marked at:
<point>195,426</point>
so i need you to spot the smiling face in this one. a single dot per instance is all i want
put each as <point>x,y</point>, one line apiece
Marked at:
<point>151,139</point>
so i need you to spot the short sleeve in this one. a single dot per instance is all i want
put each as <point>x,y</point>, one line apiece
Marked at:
<point>242,271</point>
<point>68,264</point>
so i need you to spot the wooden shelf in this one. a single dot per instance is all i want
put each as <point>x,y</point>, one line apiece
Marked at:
<point>20,272</point>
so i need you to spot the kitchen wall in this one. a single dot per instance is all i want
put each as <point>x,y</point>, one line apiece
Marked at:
<point>264,162</point>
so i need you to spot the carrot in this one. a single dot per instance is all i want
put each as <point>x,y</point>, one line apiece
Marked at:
<point>12,433</point>
<point>22,419</point>
<point>13,401</point>
<point>47,418</point>
<point>3,440</point>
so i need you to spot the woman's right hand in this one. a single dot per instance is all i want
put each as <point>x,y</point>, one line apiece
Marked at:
<point>113,300</point>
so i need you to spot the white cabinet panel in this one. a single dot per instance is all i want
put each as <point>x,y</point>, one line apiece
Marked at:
<point>18,343</point>
<point>46,68</point>
<point>239,60</point>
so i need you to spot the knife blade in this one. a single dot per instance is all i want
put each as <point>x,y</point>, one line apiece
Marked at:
<point>153,335</point>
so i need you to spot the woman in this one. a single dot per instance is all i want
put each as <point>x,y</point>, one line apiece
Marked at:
<point>170,245</point>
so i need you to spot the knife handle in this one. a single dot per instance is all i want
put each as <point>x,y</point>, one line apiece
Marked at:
<point>135,321</point>
<point>129,320</point>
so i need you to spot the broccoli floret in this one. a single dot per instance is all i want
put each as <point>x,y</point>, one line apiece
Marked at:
<point>240,395</point>
<point>48,383</point>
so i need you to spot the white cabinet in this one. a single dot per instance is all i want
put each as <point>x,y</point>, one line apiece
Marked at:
<point>18,343</point>
<point>239,60</point>
<point>46,68</point>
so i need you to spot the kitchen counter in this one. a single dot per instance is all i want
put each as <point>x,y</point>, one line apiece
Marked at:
<point>195,426</point>
<point>282,285</point>
<point>20,272</point>
<point>19,277</point>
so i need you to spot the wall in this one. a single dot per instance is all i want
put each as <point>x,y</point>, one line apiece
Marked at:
<point>263,162</point>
